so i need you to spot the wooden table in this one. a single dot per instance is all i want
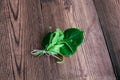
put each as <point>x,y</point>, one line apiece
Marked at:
<point>23,24</point>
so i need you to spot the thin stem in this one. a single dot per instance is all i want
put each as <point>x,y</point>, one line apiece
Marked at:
<point>56,57</point>
<point>37,52</point>
<point>53,55</point>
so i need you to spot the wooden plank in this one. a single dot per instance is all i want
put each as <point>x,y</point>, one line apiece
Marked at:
<point>6,72</point>
<point>109,15</point>
<point>23,23</point>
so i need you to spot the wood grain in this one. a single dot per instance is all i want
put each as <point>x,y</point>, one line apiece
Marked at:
<point>23,23</point>
<point>109,16</point>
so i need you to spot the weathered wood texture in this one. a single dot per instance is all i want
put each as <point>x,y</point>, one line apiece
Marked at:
<point>109,15</point>
<point>23,23</point>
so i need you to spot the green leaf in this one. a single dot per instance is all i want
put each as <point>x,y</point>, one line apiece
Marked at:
<point>74,35</point>
<point>65,51</point>
<point>58,36</point>
<point>55,38</point>
<point>72,39</point>
<point>46,39</point>
<point>55,49</point>
<point>51,41</point>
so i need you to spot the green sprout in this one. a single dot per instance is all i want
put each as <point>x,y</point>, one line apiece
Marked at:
<point>60,44</point>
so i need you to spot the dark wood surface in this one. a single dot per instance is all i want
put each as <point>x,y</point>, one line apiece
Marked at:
<point>109,15</point>
<point>23,24</point>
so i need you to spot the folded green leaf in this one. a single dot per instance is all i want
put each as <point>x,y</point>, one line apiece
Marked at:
<point>55,49</point>
<point>51,41</point>
<point>55,38</point>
